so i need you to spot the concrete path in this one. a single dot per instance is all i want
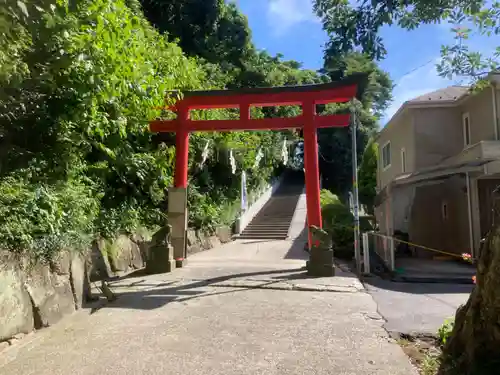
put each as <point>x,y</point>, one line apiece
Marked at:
<point>243,308</point>
<point>416,308</point>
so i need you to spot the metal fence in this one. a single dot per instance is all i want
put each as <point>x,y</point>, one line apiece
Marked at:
<point>382,245</point>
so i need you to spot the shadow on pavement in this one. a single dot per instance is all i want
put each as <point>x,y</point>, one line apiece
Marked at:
<point>417,288</point>
<point>161,294</point>
<point>297,249</point>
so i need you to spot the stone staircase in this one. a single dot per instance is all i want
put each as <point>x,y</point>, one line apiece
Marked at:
<point>274,219</point>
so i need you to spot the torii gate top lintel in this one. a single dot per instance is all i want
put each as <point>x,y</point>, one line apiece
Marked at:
<point>333,92</point>
<point>322,93</point>
<point>307,96</point>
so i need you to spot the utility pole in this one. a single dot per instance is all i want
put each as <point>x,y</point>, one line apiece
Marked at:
<point>357,249</point>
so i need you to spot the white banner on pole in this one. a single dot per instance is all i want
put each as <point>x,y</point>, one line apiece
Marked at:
<point>232,161</point>
<point>244,198</point>
<point>284,152</point>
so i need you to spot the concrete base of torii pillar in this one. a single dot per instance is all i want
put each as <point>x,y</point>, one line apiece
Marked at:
<point>178,219</point>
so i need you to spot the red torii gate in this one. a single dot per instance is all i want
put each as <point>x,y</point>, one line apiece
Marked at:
<point>307,96</point>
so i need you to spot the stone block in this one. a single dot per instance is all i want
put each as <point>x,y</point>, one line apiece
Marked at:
<point>179,245</point>
<point>79,280</point>
<point>214,241</point>
<point>179,263</point>
<point>137,260</point>
<point>61,263</point>
<point>320,256</point>
<point>196,248</point>
<point>192,237</point>
<point>16,311</point>
<point>320,270</point>
<point>160,260</point>
<point>100,268</point>
<point>177,201</point>
<point>50,293</point>
<point>120,253</point>
<point>179,225</point>
<point>224,234</point>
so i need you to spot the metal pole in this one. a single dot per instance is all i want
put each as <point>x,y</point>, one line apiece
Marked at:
<point>357,250</point>
<point>469,213</point>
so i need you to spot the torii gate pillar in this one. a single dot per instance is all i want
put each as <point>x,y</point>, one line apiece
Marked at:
<point>311,166</point>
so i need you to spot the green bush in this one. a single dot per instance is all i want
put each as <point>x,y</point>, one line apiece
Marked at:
<point>337,219</point>
<point>80,81</point>
<point>44,219</point>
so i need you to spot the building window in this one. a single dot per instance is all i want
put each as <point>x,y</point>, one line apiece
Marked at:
<point>444,211</point>
<point>466,125</point>
<point>403,160</point>
<point>386,155</point>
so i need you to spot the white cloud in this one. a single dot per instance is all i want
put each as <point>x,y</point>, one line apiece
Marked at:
<point>284,14</point>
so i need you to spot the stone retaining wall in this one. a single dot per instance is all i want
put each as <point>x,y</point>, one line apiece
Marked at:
<point>34,297</point>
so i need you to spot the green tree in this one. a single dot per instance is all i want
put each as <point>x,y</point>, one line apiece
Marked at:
<point>357,24</point>
<point>335,145</point>
<point>368,175</point>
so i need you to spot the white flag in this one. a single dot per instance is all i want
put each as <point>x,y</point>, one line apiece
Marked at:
<point>232,161</point>
<point>244,201</point>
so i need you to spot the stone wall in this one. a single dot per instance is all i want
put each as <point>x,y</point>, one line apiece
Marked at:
<point>37,296</point>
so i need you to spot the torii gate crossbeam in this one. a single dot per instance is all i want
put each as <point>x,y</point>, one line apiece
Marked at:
<point>306,96</point>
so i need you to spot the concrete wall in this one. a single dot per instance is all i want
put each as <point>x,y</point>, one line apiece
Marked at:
<point>429,228</point>
<point>401,135</point>
<point>438,135</point>
<point>480,109</point>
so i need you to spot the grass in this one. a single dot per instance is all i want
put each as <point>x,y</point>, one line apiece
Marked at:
<point>424,353</point>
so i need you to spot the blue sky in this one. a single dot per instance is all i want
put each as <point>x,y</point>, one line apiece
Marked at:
<point>290,27</point>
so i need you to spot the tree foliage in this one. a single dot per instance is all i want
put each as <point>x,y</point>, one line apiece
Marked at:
<point>356,25</point>
<point>336,144</point>
<point>368,175</point>
<point>80,80</point>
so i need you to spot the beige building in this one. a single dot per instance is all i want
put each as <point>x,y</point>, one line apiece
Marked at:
<point>439,162</point>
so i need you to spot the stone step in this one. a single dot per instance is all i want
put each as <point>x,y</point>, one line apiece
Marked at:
<point>263,237</point>
<point>266,231</point>
<point>272,224</point>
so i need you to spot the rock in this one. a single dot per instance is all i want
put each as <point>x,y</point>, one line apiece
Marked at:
<point>224,234</point>
<point>51,295</point>
<point>142,240</point>
<point>4,345</point>
<point>205,242</point>
<point>193,249</point>
<point>61,263</point>
<point>79,281</point>
<point>137,261</point>
<point>100,267</point>
<point>214,241</point>
<point>192,237</point>
<point>16,312</point>
<point>119,253</point>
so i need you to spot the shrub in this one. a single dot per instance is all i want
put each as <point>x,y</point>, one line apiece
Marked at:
<point>337,219</point>
<point>44,219</point>
<point>444,332</point>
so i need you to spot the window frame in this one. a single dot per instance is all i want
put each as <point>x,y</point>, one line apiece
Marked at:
<point>403,160</point>
<point>466,129</point>
<point>386,144</point>
<point>444,211</point>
